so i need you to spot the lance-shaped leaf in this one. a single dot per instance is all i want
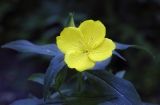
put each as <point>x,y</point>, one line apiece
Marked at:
<point>28,47</point>
<point>36,101</point>
<point>57,63</point>
<point>122,89</point>
<point>38,78</point>
<point>60,78</point>
<point>102,65</point>
<point>28,102</point>
<point>120,74</point>
<point>144,103</point>
<point>120,46</point>
<point>119,55</point>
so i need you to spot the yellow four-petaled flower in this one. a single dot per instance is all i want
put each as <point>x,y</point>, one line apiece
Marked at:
<point>85,45</point>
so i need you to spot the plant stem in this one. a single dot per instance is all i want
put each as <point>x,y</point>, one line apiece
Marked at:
<point>80,81</point>
<point>63,97</point>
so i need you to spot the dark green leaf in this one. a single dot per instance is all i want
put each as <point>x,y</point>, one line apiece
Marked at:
<point>90,92</point>
<point>144,103</point>
<point>122,89</point>
<point>56,64</point>
<point>119,55</point>
<point>61,76</point>
<point>102,65</point>
<point>39,78</point>
<point>28,47</point>
<point>28,102</point>
<point>120,46</point>
<point>120,74</point>
<point>146,50</point>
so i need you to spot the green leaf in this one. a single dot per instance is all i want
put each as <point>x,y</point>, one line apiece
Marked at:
<point>28,47</point>
<point>56,64</point>
<point>120,74</point>
<point>147,51</point>
<point>100,88</point>
<point>102,64</point>
<point>28,102</point>
<point>121,46</point>
<point>122,89</point>
<point>91,92</point>
<point>60,78</point>
<point>144,103</point>
<point>119,55</point>
<point>84,100</point>
<point>38,78</point>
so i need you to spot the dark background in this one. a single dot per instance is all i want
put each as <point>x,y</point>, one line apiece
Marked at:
<point>127,21</point>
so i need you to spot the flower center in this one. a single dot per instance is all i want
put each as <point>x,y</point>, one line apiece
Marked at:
<point>86,51</point>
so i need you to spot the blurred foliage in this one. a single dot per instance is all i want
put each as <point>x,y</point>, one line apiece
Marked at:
<point>132,22</point>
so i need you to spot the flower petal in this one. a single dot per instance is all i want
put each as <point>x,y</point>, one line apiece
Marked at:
<point>103,51</point>
<point>69,39</point>
<point>93,32</point>
<point>79,61</point>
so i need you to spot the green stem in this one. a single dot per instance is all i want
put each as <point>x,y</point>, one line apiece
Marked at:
<point>63,97</point>
<point>80,81</point>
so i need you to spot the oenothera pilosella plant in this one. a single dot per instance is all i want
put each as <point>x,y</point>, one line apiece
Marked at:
<point>78,72</point>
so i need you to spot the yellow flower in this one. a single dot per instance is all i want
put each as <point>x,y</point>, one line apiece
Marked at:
<point>85,45</point>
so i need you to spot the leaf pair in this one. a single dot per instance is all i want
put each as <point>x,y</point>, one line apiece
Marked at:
<point>100,88</point>
<point>52,50</point>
